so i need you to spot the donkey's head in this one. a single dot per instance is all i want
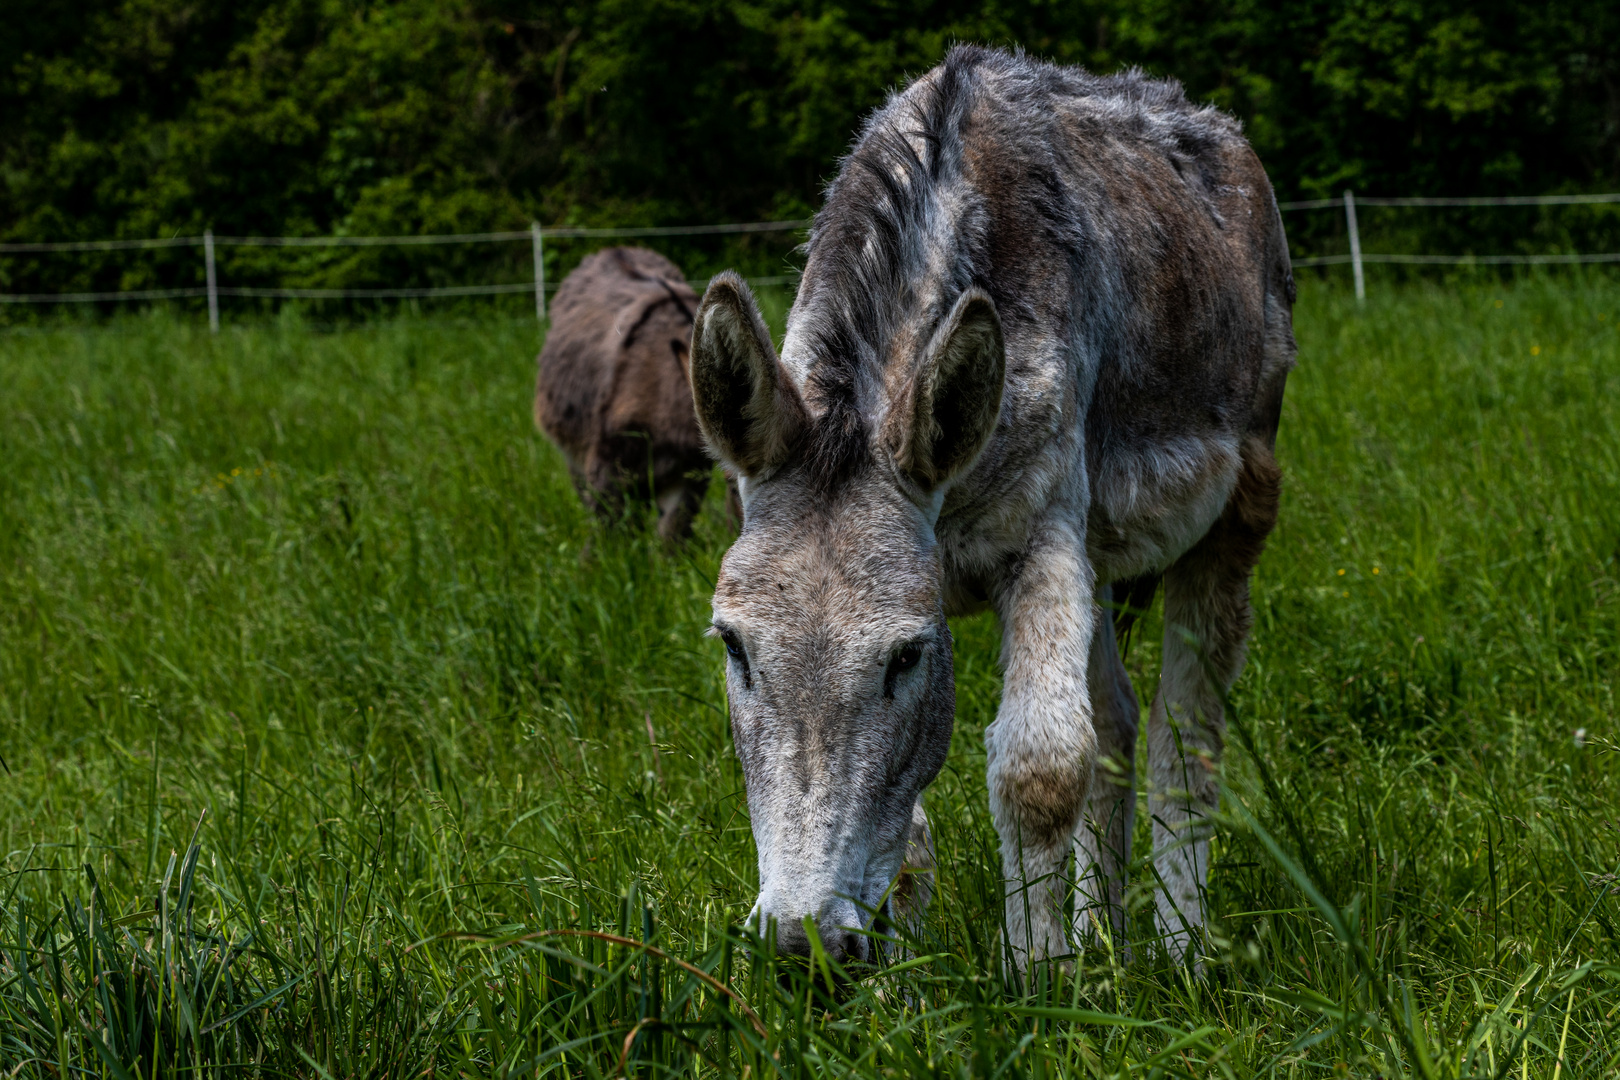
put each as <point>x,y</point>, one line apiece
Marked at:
<point>838,665</point>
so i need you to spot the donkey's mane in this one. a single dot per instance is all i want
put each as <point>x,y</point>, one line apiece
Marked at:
<point>867,246</point>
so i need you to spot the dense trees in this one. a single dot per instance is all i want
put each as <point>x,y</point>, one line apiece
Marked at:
<point>156,117</point>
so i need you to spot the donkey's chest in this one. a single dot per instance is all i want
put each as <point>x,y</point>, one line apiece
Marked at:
<point>1145,504</point>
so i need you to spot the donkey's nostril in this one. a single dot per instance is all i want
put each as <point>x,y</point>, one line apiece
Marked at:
<point>845,945</point>
<point>791,940</point>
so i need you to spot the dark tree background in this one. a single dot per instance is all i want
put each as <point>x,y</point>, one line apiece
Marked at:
<point>141,118</point>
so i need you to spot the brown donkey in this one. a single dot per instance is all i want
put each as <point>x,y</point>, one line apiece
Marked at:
<point>612,390</point>
<point>1036,362</point>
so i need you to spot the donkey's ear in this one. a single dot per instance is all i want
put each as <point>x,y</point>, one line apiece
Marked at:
<point>942,417</point>
<point>749,411</point>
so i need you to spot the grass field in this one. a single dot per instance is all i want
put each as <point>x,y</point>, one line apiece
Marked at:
<point>333,729</point>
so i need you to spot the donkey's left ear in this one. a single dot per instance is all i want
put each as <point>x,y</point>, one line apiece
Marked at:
<point>942,417</point>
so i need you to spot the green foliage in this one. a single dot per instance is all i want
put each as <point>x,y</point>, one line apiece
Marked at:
<point>335,735</point>
<point>132,118</point>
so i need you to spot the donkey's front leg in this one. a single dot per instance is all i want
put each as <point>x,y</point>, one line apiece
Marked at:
<point>1042,745</point>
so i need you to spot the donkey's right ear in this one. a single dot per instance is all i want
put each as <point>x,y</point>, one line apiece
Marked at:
<point>749,411</point>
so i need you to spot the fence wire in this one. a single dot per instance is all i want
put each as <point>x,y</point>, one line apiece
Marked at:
<point>1460,200</point>
<point>1460,260</point>
<point>561,233</point>
<point>536,235</point>
<point>103,245</point>
<point>93,297</point>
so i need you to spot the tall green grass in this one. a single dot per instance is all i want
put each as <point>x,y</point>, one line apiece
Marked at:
<point>339,741</point>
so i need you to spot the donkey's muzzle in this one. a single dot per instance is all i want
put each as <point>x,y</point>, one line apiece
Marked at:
<point>839,944</point>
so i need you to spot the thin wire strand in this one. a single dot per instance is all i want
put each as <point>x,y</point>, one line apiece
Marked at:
<point>104,245</point>
<point>504,237</point>
<point>376,294</point>
<point>1495,260</point>
<point>251,292</point>
<point>682,230</point>
<point>1461,200</point>
<point>429,240</point>
<point>1462,260</point>
<point>412,241</point>
<point>92,297</point>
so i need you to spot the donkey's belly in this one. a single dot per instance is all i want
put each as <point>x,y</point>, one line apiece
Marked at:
<point>1151,502</point>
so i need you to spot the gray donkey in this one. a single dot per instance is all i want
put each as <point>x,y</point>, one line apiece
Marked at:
<point>1036,362</point>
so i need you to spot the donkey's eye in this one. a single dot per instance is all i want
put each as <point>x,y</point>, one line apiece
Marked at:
<point>735,650</point>
<point>903,661</point>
